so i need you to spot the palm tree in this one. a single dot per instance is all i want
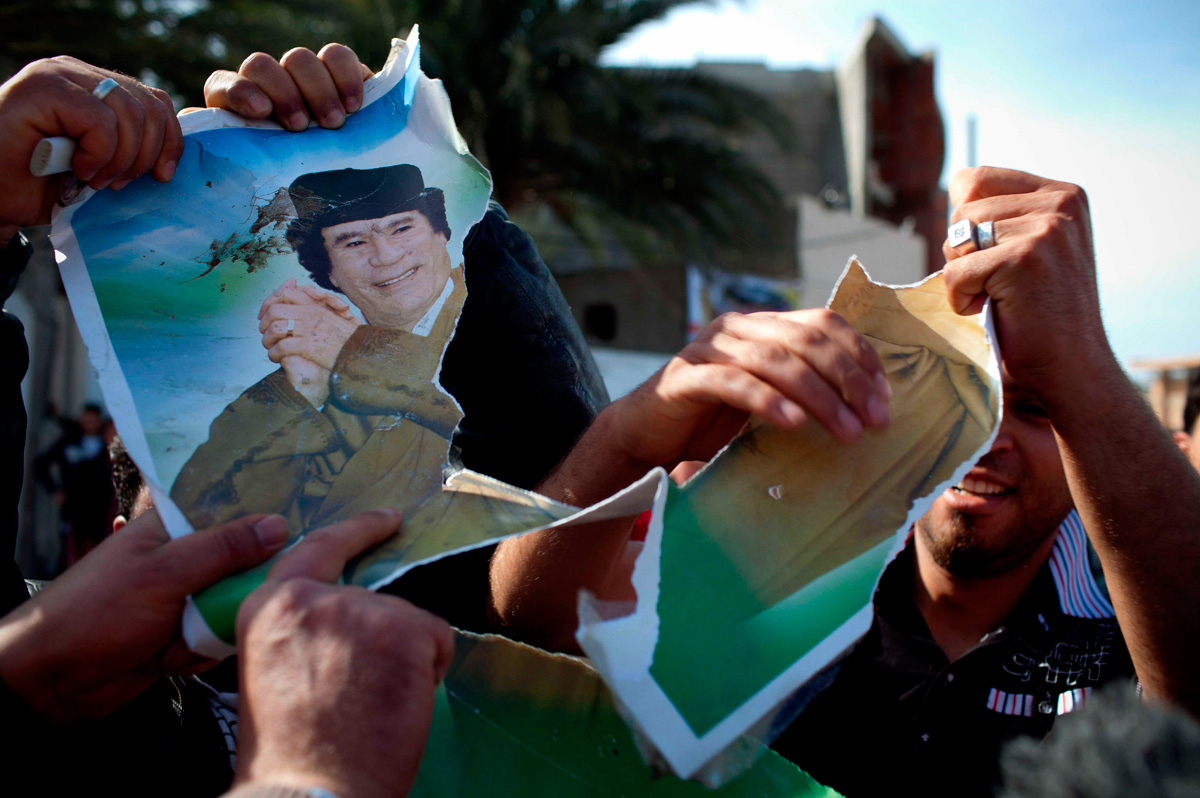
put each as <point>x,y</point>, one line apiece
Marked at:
<point>642,156</point>
<point>639,157</point>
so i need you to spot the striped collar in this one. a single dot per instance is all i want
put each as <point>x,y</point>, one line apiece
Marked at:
<point>1079,594</point>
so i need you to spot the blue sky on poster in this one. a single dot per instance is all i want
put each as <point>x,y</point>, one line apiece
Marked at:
<point>1104,94</point>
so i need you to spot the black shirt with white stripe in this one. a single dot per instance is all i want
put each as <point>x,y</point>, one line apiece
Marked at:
<point>898,714</point>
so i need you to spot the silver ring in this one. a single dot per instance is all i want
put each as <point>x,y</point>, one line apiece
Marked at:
<point>103,88</point>
<point>962,232</point>
<point>986,235</point>
<point>291,328</point>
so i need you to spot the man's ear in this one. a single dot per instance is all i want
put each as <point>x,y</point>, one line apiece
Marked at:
<point>119,523</point>
<point>1184,442</point>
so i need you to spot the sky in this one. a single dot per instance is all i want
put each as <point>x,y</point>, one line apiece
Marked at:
<point>1103,94</point>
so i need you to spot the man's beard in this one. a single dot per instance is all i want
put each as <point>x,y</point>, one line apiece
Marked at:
<point>963,552</point>
<point>959,553</point>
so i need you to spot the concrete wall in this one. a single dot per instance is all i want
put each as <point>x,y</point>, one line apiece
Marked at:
<point>828,237</point>
<point>649,304</point>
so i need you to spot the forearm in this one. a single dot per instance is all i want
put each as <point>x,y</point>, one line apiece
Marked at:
<point>24,673</point>
<point>1139,499</point>
<point>536,578</point>
<point>39,666</point>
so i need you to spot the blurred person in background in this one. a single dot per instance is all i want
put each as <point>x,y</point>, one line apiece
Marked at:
<point>1116,746</point>
<point>1186,438</point>
<point>75,470</point>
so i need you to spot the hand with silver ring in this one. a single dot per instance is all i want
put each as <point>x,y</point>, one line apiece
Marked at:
<point>964,232</point>
<point>121,129</point>
<point>986,235</point>
<point>103,88</point>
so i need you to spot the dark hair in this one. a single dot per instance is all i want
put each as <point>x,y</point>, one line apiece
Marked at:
<point>92,407</point>
<point>324,199</point>
<point>1191,406</point>
<point>1116,746</point>
<point>127,480</point>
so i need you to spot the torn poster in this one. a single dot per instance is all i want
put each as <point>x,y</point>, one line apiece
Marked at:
<point>268,328</point>
<point>759,570</point>
<point>513,720</point>
<point>250,368</point>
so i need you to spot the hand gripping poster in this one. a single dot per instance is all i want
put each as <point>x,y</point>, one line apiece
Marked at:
<point>269,331</point>
<point>269,328</point>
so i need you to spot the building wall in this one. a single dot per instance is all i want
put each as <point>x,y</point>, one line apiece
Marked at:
<point>861,179</point>
<point>808,97</point>
<point>894,136</point>
<point>648,305</point>
<point>829,237</point>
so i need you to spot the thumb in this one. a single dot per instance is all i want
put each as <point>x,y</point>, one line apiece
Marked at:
<point>323,553</point>
<point>201,558</point>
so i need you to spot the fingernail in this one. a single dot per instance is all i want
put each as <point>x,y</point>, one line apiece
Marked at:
<point>333,119</point>
<point>394,514</point>
<point>297,121</point>
<point>885,387</point>
<point>117,185</point>
<point>259,104</point>
<point>791,412</point>
<point>352,104</point>
<point>849,424</point>
<point>877,412</point>
<point>169,170</point>
<point>272,531</point>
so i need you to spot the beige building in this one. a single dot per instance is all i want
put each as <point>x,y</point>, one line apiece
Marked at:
<point>1168,387</point>
<point>862,180</point>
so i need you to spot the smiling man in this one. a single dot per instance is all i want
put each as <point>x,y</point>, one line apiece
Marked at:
<point>993,621</point>
<point>392,268</point>
<point>354,416</point>
<point>378,236</point>
<point>1004,512</point>
<point>988,626</point>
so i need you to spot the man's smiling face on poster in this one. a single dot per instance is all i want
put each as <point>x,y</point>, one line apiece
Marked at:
<point>376,235</point>
<point>392,268</point>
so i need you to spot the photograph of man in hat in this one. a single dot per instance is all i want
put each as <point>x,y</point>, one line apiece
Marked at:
<point>353,418</point>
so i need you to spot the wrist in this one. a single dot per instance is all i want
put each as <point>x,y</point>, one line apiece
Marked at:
<point>1093,381</point>
<point>315,394</point>
<point>313,387</point>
